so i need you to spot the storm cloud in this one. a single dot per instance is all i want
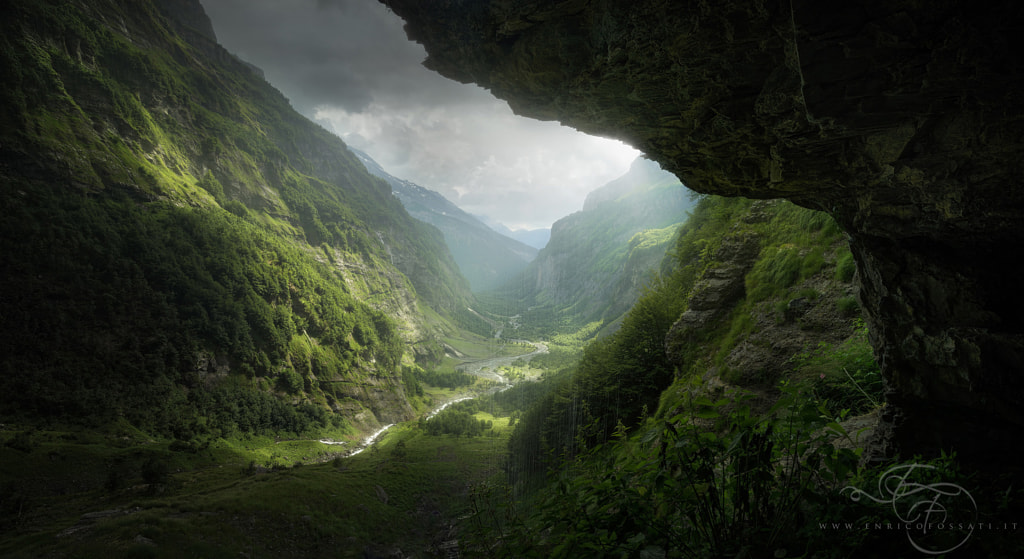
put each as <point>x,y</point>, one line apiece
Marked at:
<point>348,65</point>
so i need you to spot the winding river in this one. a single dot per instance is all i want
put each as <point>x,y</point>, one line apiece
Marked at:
<point>485,368</point>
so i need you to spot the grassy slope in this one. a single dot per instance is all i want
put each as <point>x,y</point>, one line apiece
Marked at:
<point>283,496</point>
<point>750,440</point>
<point>175,229</point>
<point>195,279</point>
<point>404,491</point>
<point>627,376</point>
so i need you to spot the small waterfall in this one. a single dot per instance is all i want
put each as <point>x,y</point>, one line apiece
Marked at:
<point>446,404</point>
<point>369,440</point>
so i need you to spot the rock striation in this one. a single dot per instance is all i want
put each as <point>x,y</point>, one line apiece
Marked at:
<point>715,294</point>
<point>902,119</point>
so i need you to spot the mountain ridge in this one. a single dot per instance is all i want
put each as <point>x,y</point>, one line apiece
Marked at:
<point>537,238</point>
<point>486,257</point>
<point>180,242</point>
<point>598,258</point>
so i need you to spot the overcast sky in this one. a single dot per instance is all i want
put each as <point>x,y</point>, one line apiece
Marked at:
<point>348,65</point>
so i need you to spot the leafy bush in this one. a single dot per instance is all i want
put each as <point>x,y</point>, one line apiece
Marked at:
<point>458,422</point>
<point>716,481</point>
<point>846,266</point>
<point>848,306</point>
<point>290,381</point>
<point>846,376</point>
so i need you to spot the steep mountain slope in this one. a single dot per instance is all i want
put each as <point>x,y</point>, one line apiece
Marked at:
<point>597,258</point>
<point>748,286</point>
<point>486,258</point>
<point>902,119</point>
<point>183,249</point>
<point>769,347</point>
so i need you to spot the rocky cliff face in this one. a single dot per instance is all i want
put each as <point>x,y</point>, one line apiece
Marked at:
<point>598,259</point>
<point>717,291</point>
<point>901,119</point>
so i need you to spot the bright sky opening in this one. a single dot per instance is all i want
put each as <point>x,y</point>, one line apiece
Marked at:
<point>348,65</point>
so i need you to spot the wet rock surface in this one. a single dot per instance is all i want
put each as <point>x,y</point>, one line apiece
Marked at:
<point>901,119</point>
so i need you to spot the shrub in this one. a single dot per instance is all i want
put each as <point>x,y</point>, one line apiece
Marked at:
<point>846,376</point>
<point>290,381</point>
<point>716,488</point>
<point>774,273</point>
<point>848,306</point>
<point>780,311</point>
<point>809,293</point>
<point>251,469</point>
<point>811,264</point>
<point>236,207</point>
<point>846,266</point>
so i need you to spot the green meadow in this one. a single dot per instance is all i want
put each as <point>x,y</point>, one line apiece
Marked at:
<point>106,493</point>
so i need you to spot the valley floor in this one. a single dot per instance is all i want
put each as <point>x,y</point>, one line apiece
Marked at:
<point>406,490</point>
<point>77,492</point>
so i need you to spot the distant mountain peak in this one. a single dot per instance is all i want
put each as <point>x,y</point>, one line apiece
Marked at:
<point>643,173</point>
<point>537,238</point>
<point>598,258</point>
<point>486,257</point>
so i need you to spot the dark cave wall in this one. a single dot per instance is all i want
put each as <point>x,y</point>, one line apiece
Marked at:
<point>901,119</point>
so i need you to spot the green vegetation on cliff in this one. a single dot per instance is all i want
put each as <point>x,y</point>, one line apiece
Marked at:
<point>183,250</point>
<point>598,259</point>
<point>725,418</point>
<point>198,285</point>
<point>748,299</point>
<point>138,314</point>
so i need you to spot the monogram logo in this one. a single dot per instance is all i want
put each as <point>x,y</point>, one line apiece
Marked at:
<point>938,517</point>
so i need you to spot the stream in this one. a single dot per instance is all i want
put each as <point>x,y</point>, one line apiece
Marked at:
<point>486,368</point>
